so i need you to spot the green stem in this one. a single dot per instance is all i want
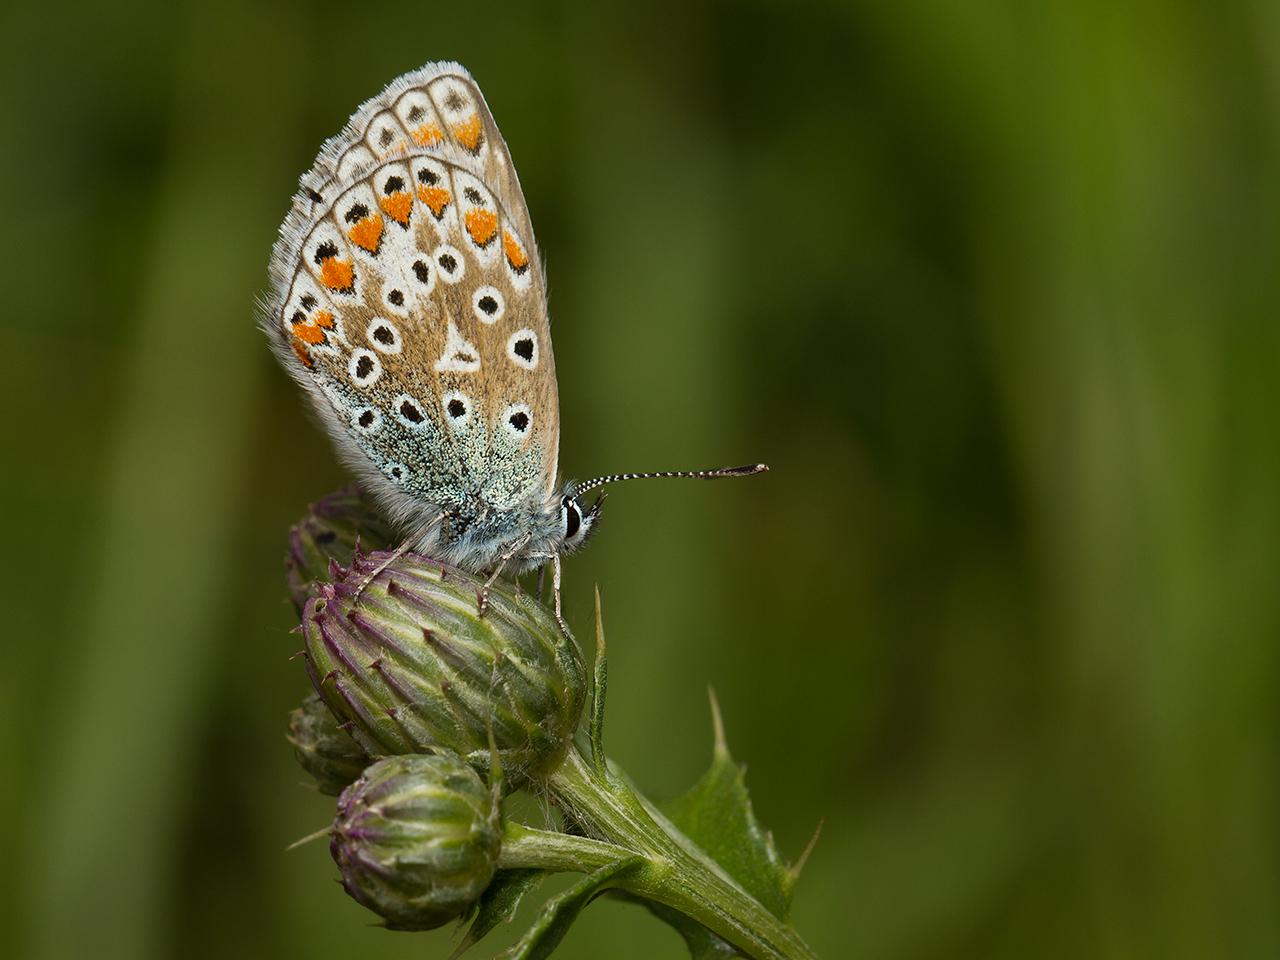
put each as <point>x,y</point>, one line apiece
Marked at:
<point>676,872</point>
<point>526,847</point>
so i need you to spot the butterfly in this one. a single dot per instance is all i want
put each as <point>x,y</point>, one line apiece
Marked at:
<point>409,302</point>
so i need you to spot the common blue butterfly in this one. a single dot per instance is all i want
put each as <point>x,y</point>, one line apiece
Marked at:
<point>409,303</point>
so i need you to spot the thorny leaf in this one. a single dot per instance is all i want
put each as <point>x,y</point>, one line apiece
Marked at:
<point>716,814</point>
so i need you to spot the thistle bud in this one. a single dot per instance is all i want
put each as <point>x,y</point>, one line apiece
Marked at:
<point>407,658</point>
<point>328,533</point>
<point>416,839</point>
<point>324,749</point>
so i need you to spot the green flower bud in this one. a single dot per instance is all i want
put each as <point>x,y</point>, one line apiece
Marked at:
<point>416,839</point>
<point>327,535</point>
<point>324,749</point>
<point>416,669</point>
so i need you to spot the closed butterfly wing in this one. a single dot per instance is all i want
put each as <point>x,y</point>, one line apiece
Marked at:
<point>409,304</point>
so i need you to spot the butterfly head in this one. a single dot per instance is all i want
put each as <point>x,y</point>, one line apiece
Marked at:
<point>577,520</point>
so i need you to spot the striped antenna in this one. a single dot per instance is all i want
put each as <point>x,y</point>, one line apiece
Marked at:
<point>746,470</point>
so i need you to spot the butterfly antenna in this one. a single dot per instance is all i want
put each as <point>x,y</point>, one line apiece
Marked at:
<point>746,470</point>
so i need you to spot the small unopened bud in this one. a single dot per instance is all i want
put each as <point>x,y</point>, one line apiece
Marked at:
<point>416,839</point>
<point>324,749</point>
<point>328,533</point>
<point>409,660</point>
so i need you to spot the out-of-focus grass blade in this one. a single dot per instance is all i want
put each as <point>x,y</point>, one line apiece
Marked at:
<point>135,686</point>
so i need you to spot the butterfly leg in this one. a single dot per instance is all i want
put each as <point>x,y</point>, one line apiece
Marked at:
<point>555,589</point>
<point>482,595</point>
<point>399,552</point>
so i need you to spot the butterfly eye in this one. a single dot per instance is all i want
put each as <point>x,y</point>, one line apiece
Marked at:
<point>572,518</point>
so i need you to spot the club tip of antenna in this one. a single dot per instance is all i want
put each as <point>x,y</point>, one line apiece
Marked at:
<point>746,470</point>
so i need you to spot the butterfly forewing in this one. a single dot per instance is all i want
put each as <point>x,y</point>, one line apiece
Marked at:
<point>410,304</point>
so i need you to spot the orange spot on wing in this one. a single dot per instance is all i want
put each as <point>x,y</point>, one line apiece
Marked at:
<point>482,225</point>
<point>397,206</point>
<point>367,234</point>
<point>437,198</point>
<point>311,331</point>
<point>515,255</point>
<point>336,274</point>
<point>427,134</point>
<point>469,133</point>
<point>308,333</point>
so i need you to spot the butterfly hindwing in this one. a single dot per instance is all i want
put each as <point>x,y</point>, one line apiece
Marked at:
<point>409,303</point>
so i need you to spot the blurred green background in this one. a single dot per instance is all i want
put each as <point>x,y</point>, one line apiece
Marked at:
<point>993,288</point>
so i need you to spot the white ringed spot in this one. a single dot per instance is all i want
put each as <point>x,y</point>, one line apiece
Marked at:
<point>488,304</point>
<point>384,336</point>
<point>367,420</point>
<point>517,420</point>
<point>457,409</point>
<point>364,368</point>
<point>394,300</point>
<point>522,349</point>
<point>450,263</point>
<point>410,412</point>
